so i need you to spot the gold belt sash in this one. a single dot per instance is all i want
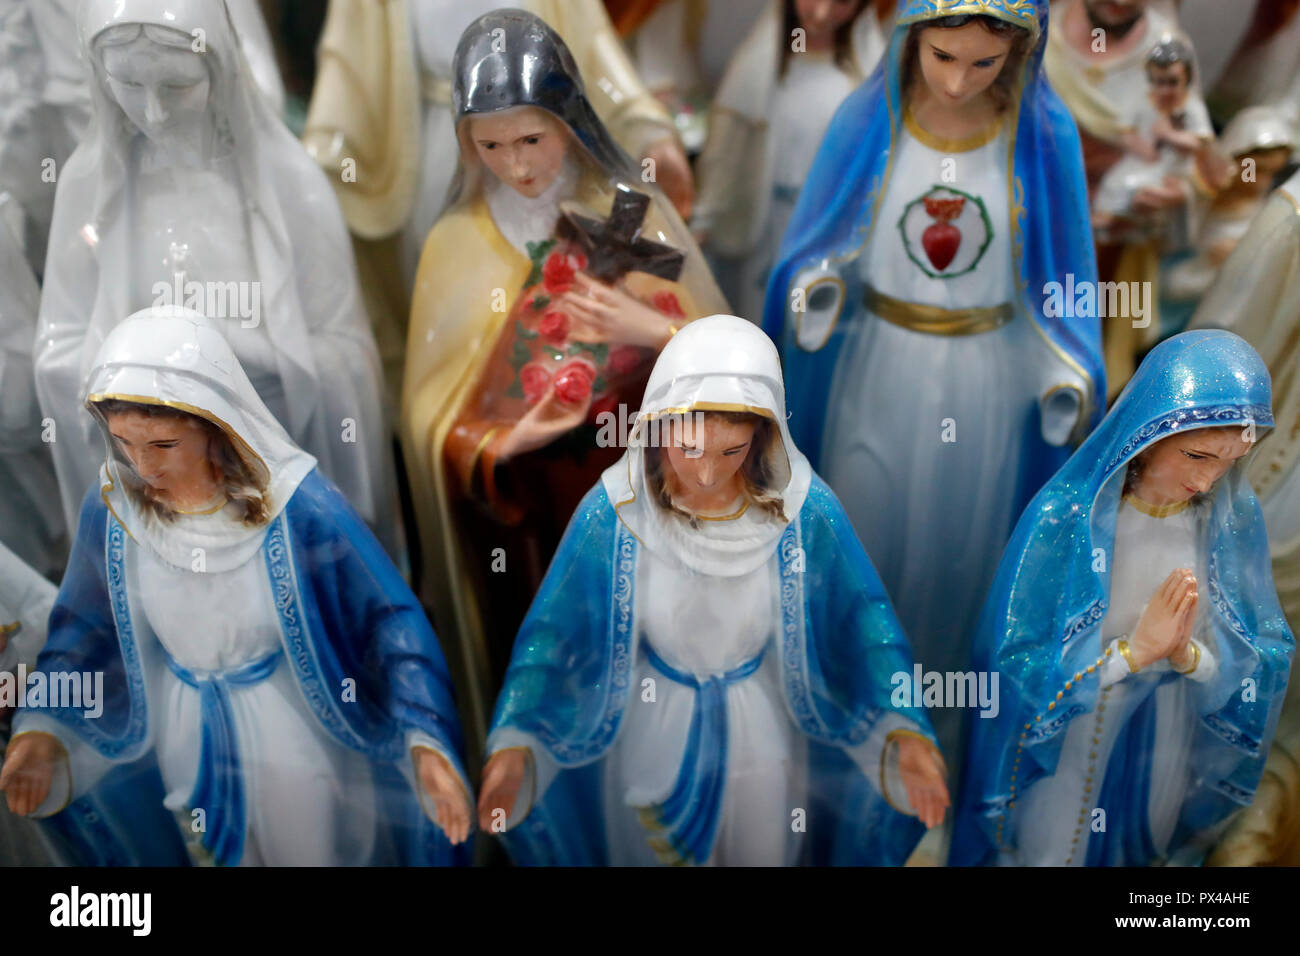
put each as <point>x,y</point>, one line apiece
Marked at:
<point>935,320</point>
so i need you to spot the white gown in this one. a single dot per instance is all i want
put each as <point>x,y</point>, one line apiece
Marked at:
<point>926,433</point>
<point>805,100</point>
<point>1147,548</point>
<point>710,625</point>
<point>707,625</point>
<point>310,801</point>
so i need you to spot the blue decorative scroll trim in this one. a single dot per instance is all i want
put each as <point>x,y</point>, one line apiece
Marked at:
<point>300,647</point>
<point>794,636</point>
<point>1088,619</point>
<point>131,744</point>
<point>1261,415</point>
<point>620,638</point>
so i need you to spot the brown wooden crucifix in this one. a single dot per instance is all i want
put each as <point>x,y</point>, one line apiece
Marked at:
<point>614,246</point>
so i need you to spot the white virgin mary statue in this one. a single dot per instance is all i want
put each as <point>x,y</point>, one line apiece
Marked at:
<point>187,190</point>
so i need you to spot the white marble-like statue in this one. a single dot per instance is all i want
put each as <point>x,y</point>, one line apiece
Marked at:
<point>188,190</point>
<point>31,519</point>
<point>45,101</point>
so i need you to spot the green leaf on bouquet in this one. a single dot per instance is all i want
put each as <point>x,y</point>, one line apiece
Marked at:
<point>537,252</point>
<point>523,332</point>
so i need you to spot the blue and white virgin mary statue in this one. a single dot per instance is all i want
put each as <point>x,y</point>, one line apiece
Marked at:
<point>711,689</point>
<point>269,680</point>
<point>1101,754</point>
<point>926,379</point>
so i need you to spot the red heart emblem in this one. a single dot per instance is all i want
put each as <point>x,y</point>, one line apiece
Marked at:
<point>941,241</point>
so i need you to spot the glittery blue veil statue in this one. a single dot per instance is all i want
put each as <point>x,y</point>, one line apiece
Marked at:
<point>1041,625</point>
<point>1052,237</point>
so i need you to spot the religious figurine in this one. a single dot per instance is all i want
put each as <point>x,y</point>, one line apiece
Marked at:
<point>680,49</point>
<point>381,125</point>
<point>45,100</point>
<point>1135,624</point>
<point>26,599</point>
<point>1096,60</point>
<point>543,296</point>
<point>1163,137</point>
<point>31,519</point>
<point>44,109</point>
<point>711,671</point>
<point>1259,142</point>
<point>1257,295</point>
<point>932,375</point>
<point>252,637</point>
<point>188,190</point>
<point>781,89</point>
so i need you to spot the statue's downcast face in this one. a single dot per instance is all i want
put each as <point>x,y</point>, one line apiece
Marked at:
<point>961,63</point>
<point>163,88</point>
<point>1179,467</point>
<point>705,459</point>
<point>170,453</point>
<point>524,147</point>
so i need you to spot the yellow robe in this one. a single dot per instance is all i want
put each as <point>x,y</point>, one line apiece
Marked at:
<point>365,105</point>
<point>364,128</point>
<point>453,334</point>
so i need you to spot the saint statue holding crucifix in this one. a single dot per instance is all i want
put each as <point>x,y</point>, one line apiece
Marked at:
<point>543,297</point>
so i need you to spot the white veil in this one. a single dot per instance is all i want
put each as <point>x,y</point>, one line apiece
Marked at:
<point>175,357</point>
<point>719,363</point>
<point>324,351</point>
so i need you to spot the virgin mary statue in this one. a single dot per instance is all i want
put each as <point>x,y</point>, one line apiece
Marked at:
<point>187,189</point>
<point>933,377</point>
<point>1134,621</point>
<point>707,673</point>
<point>267,676</point>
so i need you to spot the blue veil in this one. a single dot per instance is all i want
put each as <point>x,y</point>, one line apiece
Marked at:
<point>1041,625</point>
<point>1051,238</point>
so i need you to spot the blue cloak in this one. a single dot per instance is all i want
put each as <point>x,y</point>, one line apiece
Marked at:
<point>345,612</point>
<point>1041,625</point>
<point>570,679</point>
<point>832,221</point>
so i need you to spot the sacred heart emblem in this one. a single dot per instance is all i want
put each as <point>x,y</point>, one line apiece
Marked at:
<point>945,232</point>
<point>942,239</point>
